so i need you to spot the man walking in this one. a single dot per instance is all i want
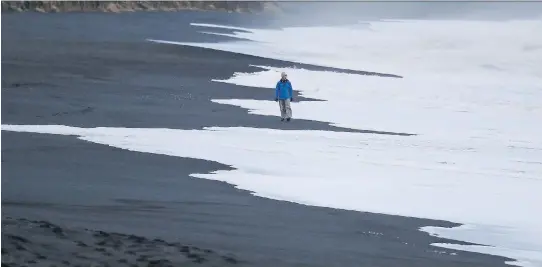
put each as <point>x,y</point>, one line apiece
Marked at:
<point>284,94</point>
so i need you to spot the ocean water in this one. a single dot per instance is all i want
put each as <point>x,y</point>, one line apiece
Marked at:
<point>471,94</point>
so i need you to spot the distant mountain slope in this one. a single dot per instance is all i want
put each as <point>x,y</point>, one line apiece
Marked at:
<point>123,6</point>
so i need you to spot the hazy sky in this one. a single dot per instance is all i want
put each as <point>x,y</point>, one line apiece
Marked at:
<point>347,11</point>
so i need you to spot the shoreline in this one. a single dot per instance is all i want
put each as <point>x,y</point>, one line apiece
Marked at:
<point>112,77</point>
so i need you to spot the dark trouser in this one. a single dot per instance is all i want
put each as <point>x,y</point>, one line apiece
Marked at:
<point>285,108</point>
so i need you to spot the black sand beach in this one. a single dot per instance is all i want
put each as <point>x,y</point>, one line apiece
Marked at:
<point>67,202</point>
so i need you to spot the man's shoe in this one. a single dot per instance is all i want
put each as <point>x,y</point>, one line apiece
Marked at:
<point>282,119</point>
<point>288,119</point>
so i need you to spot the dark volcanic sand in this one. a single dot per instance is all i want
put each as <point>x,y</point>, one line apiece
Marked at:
<point>59,192</point>
<point>46,244</point>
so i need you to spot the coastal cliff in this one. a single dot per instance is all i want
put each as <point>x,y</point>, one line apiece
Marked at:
<point>130,6</point>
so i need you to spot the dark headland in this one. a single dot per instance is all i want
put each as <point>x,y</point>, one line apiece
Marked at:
<point>68,202</point>
<point>131,6</point>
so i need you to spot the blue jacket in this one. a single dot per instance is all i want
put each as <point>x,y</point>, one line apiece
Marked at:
<point>284,90</point>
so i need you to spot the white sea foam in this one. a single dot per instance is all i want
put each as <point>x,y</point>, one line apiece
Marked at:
<point>472,90</point>
<point>219,26</point>
<point>401,47</point>
<point>471,93</point>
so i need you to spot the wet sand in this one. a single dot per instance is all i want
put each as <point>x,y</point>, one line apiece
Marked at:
<point>128,208</point>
